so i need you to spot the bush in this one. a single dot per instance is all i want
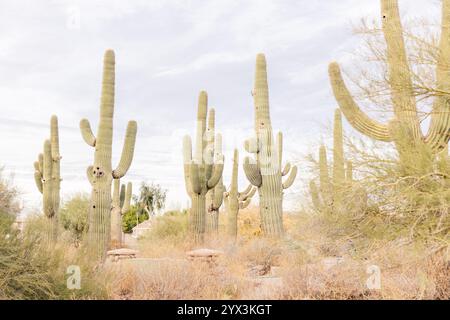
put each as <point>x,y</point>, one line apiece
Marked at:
<point>173,224</point>
<point>129,219</point>
<point>74,214</point>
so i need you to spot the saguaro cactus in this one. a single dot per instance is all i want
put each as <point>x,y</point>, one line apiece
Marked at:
<point>201,172</point>
<point>404,129</point>
<point>48,179</point>
<point>101,174</point>
<point>264,171</point>
<point>235,200</point>
<point>121,201</point>
<point>339,193</point>
<point>214,197</point>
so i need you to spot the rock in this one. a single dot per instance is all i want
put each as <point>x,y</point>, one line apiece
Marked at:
<point>207,255</point>
<point>122,253</point>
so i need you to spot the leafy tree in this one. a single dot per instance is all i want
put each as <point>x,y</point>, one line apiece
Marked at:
<point>151,198</point>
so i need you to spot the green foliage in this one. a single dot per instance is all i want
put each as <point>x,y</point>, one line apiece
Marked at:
<point>151,198</point>
<point>173,224</point>
<point>129,219</point>
<point>73,215</point>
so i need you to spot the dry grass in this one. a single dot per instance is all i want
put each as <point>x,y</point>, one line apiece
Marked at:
<point>308,264</point>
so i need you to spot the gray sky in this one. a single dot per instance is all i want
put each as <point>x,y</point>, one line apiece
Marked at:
<point>166,52</point>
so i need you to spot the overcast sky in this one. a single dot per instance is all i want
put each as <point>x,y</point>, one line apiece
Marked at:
<point>166,52</point>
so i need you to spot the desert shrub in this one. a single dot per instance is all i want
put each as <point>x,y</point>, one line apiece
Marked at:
<point>73,216</point>
<point>172,224</point>
<point>132,218</point>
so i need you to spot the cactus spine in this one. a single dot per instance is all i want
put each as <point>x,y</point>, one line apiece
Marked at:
<point>202,172</point>
<point>121,201</point>
<point>404,129</point>
<point>101,174</point>
<point>235,200</point>
<point>214,197</point>
<point>264,171</point>
<point>48,179</point>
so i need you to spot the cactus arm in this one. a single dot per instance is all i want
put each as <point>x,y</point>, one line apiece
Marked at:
<point>86,132</point>
<point>398,67</point>
<point>249,194</point>
<point>216,175</point>
<point>41,162</point>
<point>247,190</point>
<point>195,178</point>
<point>357,118</point>
<point>286,169</point>
<point>127,201</point>
<point>252,172</point>
<point>37,167</point>
<point>218,195</point>
<point>338,150</point>
<point>439,131</point>
<point>127,151</point>
<point>314,195</point>
<point>90,174</point>
<point>38,180</point>
<point>291,178</point>
<point>201,126</point>
<point>244,204</point>
<point>279,144</point>
<point>251,145</point>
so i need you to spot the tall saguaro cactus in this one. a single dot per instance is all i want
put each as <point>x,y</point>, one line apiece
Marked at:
<point>48,179</point>
<point>264,171</point>
<point>235,200</point>
<point>214,197</point>
<point>101,174</point>
<point>404,129</point>
<point>121,201</point>
<point>202,172</point>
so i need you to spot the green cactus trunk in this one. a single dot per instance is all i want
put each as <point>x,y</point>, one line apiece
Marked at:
<point>197,216</point>
<point>235,200</point>
<point>100,174</point>
<point>212,221</point>
<point>265,171</point>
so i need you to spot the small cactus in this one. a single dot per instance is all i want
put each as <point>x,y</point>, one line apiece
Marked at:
<point>48,179</point>
<point>264,171</point>
<point>121,201</point>
<point>340,193</point>
<point>101,174</point>
<point>202,172</point>
<point>235,200</point>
